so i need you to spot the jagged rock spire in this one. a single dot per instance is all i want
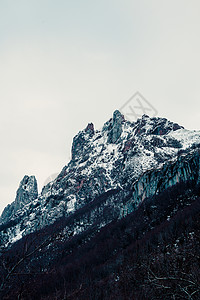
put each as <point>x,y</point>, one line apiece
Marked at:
<point>116,129</point>
<point>27,192</point>
<point>80,139</point>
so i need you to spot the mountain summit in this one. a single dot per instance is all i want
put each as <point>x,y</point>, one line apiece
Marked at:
<point>120,221</point>
<point>116,158</point>
<point>26,193</point>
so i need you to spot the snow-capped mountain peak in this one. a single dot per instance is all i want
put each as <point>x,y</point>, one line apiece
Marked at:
<point>118,158</point>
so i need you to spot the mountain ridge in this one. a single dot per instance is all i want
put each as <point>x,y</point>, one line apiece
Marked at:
<point>120,221</point>
<point>115,157</point>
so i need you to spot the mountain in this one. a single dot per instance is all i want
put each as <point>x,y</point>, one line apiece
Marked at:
<point>26,193</point>
<point>126,176</point>
<point>119,158</point>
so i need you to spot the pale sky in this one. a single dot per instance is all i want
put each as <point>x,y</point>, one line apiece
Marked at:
<point>66,63</point>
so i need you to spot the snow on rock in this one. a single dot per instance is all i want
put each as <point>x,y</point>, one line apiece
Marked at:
<point>71,204</point>
<point>26,193</point>
<point>122,156</point>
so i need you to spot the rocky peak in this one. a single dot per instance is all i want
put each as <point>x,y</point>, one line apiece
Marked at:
<point>27,190</point>
<point>113,158</point>
<point>116,127</point>
<point>26,193</point>
<point>155,126</point>
<point>81,139</point>
<point>90,129</point>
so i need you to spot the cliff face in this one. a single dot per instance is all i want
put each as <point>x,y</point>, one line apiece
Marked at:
<point>184,168</point>
<point>111,172</point>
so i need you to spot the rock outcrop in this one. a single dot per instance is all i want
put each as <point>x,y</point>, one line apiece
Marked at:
<point>80,140</point>
<point>116,127</point>
<point>26,193</point>
<point>111,172</point>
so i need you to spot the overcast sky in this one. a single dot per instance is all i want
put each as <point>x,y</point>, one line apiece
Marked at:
<point>66,63</point>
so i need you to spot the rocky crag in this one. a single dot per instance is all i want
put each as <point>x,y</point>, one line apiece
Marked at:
<point>111,172</point>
